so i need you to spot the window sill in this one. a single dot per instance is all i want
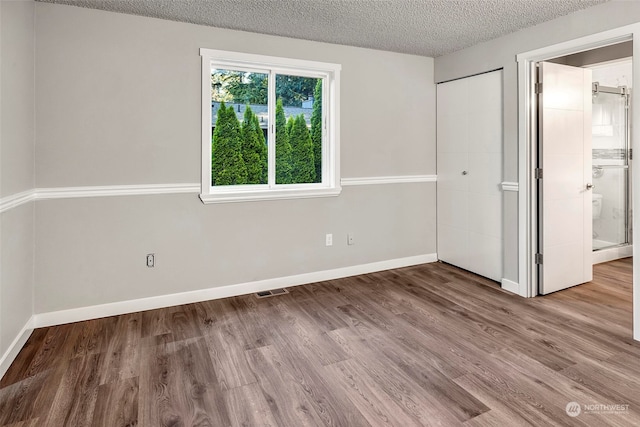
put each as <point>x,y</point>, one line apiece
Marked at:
<point>283,194</point>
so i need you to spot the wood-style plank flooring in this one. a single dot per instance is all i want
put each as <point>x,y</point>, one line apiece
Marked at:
<point>418,346</point>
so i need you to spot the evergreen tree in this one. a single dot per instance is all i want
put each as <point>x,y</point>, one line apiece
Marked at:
<point>290,125</point>
<point>304,170</point>
<point>216,141</point>
<point>294,89</point>
<point>283,147</point>
<point>227,165</point>
<point>254,152</point>
<point>316,129</point>
<point>265,153</point>
<point>252,88</point>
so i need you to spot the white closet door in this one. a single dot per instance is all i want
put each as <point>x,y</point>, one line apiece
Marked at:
<point>565,155</point>
<point>469,159</point>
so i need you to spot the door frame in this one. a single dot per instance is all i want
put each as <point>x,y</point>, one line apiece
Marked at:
<point>527,205</point>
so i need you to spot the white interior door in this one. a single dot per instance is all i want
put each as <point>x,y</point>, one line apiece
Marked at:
<point>565,196</point>
<point>469,159</point>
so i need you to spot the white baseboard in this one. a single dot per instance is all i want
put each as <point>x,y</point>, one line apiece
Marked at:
<point>150,303</point>
<point>10,355</point>
<point>511,286</point>
<point>131,306</point>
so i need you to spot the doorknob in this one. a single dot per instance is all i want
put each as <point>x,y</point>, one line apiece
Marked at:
<point>590,186</point>
<point>464,172</point>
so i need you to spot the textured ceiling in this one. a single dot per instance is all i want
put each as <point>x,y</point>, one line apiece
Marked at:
<point>421,27</point>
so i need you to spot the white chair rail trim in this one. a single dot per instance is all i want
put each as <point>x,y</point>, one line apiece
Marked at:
<point>21,198</point>
<point>510,186</point>
<point>401,179</point>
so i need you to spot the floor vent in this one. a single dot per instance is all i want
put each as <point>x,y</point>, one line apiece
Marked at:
<point>271,293</point>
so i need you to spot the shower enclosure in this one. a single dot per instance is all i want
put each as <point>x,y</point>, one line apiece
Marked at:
<point>611,169</point>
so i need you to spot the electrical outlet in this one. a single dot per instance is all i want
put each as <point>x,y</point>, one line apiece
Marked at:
<point>151,260</point>
<point>350,239</point>
<point>329,240</point>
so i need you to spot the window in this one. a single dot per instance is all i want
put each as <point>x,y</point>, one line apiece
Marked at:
<point>269,127</point>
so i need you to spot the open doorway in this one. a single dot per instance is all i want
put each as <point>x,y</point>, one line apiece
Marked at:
<point>612,80</point>
<point>583,164</point>
<point>528,134</point>
<point>612,160</point>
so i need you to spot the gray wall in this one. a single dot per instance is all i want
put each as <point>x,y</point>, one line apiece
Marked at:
<point>16,166</point>
<point>501,53</point>
<point>118,102</point>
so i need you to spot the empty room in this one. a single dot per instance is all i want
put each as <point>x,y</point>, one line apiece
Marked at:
<point>319,213</point>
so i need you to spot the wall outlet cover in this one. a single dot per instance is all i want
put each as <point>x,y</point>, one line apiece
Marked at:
<point>329,239</point>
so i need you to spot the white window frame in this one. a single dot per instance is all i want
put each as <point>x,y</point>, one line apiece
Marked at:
<point>330,184</point>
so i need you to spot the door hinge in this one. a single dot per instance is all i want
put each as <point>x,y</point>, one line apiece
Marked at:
<point>538,173</point>
<point>630,153</point>
<point>538,258</point>
<point>537,88</point>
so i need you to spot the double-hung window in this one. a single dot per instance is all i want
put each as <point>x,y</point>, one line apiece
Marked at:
<point>270,127</point>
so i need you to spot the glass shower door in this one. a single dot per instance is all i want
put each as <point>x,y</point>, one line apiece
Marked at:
<point>610,168</point>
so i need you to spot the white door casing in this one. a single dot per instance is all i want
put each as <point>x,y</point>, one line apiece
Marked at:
<point>565,199</point>
<point>469,159</point>
<point>527,223</point>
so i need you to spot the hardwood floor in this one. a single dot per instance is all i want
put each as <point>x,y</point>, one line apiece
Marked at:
<point>425,345</point>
